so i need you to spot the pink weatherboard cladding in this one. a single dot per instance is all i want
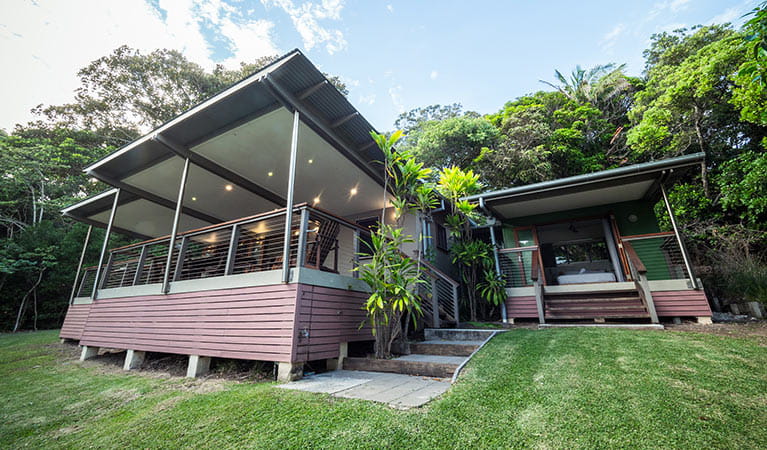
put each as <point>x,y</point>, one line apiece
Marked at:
<point>256,323</point>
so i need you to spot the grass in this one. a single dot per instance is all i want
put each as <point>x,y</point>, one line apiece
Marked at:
<point>580,388</point>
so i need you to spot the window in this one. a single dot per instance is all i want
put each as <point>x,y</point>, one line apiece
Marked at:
<point>441,237</point>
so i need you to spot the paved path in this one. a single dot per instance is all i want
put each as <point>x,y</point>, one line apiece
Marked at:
<point>398,391</point>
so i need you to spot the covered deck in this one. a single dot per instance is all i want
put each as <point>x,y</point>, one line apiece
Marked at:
<point>248,210</point>
<point>591,248</point>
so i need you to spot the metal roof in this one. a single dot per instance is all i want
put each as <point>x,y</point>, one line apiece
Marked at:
<point>648,168</point>
<point>301,86</point>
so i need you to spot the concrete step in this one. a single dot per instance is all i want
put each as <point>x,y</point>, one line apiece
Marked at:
<point>598,292</point>
<point>445,348</point>
<point>423,365</point>
<point>456,334</point>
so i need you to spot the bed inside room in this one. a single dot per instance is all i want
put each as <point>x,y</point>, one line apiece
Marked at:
<point>579,251</point>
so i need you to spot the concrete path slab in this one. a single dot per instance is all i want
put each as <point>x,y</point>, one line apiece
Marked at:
<point>443,342</point>
<point>398,391</point>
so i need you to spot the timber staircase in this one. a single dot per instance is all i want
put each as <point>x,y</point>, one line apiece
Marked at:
<point>603,304</point>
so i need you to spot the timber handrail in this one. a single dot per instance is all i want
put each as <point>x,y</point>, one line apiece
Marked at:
<point>639,272</point>
<point>534,272</point>
<point>635,237</point>
<point>634,258</point>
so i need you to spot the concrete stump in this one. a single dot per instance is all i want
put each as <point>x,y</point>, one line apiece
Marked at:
<point>198,365</point>
<point>289,371</point>
<point>133,359</point>
<point>88,352</point>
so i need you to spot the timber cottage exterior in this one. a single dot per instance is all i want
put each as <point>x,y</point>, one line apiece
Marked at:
<point>251,208</point>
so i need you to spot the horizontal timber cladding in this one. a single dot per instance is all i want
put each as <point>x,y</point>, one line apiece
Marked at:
<point>74,322</point>
<point>326,318</point>
<point>521,307</point>
<point>254,323</point>
<point>681,303</point>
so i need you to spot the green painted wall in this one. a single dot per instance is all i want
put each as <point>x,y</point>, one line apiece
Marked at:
<point>648,251</point>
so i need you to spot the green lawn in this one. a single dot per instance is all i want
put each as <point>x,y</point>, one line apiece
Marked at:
<point>553,388</point>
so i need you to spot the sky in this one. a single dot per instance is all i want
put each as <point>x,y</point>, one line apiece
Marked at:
<point>393,55</point>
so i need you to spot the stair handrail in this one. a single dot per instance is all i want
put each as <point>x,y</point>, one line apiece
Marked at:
<point>639,274</point>
<point>434,273</point>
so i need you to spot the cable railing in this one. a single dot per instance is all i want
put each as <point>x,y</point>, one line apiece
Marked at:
<point>439,294</point>
<point>516,265</point>
<point>252,244</point>
<point>661,255</point>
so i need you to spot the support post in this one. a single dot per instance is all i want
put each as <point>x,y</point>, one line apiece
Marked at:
<point>289,371</point>
<point>133,359</point>
<point>105,244</point>
<point>647,294</point>
<point>289,206</point>
<point>498,270</point>
<point>80,264</point>
<point>535,275</point>
<point>233,241</point>
<point>180,259</point>
<point>198,365</point>
<point>434,303</point>
<point>356,247</point>
<point>455,304</point>
<point>302,230</point>
<point>140,266</point>
<point>174,229</point>
<point>89,352</point>
<point>682,247</point>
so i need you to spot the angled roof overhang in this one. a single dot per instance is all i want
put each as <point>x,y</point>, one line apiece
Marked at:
<point>241,138</point>
<point>635,182</point>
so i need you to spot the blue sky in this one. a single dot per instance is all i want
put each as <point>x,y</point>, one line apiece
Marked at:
<point>393,55</point>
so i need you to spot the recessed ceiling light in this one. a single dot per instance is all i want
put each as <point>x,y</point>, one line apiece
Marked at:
<point>311,161</point>
<point>270,173</point>
<point>194,199</point>
<point>228,187</point>
<point>316,200</point>
<point>353,191</point>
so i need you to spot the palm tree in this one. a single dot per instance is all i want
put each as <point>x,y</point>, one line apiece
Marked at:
<point>596,85</point>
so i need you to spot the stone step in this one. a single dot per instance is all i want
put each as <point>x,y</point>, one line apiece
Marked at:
<point>445,348</point>
<point>456,334</point>
<point>422,365</point>
<point>560,308</point>
<point>607,292</point>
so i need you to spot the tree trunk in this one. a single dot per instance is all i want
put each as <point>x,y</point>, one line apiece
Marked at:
<point>699,134</point>
<point>34,302</point>
<point>23,305</point>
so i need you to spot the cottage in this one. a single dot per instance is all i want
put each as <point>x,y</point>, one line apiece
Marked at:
<point>250,212</point>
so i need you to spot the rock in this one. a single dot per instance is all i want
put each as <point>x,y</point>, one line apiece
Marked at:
<point>719,317</point>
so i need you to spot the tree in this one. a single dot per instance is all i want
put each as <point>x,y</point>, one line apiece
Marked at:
<point>455,141</point>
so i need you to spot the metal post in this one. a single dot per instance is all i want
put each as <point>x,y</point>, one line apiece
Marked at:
<point>105,244</point>
<point>180,260</point>
<point>434,302</point>
<point>174,230</point>
<point>233,241</point>
<point>682,247</point>
<point>140,266</point>
<point>80,264</point>
<point>455,305</point>
<point>289,206</point>
<point>302,230</point>
<point>356,273</point>
<point>498,269</point>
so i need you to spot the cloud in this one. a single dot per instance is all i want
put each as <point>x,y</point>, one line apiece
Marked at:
<point>390,7</point>
<point>48,42</point>
<point>434,74</point>
<point>395,94</point>
<point>306,19</point>
<point>733,14</point>
<point>611,37</point>
<point>366,99</point>
<point>678,5</point>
